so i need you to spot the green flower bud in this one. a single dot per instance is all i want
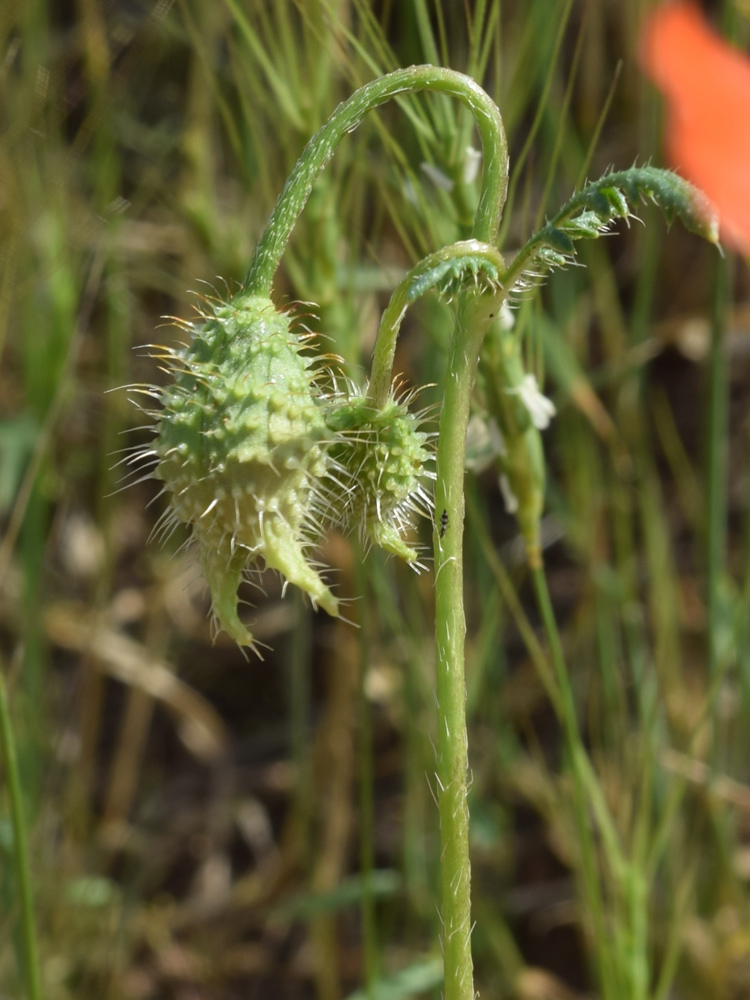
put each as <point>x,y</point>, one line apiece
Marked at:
<point>242,448</point>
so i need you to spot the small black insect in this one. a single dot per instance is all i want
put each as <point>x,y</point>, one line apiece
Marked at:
<point>443,523</point>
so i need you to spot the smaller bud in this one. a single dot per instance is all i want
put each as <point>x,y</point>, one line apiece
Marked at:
<point>383,457</point>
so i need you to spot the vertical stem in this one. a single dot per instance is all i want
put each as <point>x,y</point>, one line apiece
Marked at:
<point>587,784</point>
<point>20,845</point>
<point>475,314</point>
<point>298,687</point>
<point>569,721</point>
<point>366,838</point>
<point>366,799</point>
<point>335,741</point>
<point>589,798</point>
<point>717,459</point>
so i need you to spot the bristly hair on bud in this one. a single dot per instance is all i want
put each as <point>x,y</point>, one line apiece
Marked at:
<point>382,457</point>
<point>242,449</point>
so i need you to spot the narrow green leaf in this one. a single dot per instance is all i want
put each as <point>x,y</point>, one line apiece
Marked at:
<point>380,884</point>
<point>412,981</point>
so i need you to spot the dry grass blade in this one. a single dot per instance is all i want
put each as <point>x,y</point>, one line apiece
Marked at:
<point>199,725</point>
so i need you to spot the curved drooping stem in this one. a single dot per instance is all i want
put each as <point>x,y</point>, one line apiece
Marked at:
<point>347,116</point>
<point>451,262</point>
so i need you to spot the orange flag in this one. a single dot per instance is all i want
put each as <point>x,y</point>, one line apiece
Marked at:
<point>706,84</point>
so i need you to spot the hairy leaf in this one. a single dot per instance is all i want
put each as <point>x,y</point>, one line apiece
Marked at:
<point>592,211</point>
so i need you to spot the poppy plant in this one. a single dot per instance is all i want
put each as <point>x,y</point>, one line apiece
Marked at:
<point>706,84</point>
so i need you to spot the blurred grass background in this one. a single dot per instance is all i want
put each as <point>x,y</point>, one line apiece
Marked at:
<point>206,827</point>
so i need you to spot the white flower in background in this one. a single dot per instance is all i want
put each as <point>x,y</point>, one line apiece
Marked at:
<point>509,497</point>
<point>507,318</point>
<point>471,165</point>
<point>497,439</point>
<point>541,410</point>
<point>484,443</point>
<point>410,192</point>
<point>479,452</point>
<point>438,178</point>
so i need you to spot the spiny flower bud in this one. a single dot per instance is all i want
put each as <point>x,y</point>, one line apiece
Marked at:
<point>241,448</point>
<point>382,456</point>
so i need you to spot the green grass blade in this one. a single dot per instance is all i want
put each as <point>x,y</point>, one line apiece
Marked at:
<point>20,849</point>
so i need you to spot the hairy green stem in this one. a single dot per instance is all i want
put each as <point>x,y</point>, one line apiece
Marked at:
<point>475,314</point>
<point>347,116</point>
<point>476,311</point>
<point>20,849</point>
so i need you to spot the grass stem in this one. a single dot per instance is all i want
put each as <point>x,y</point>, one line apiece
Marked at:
<point>365,761</point>
<point>717,460</point>
<point>20,849</point>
